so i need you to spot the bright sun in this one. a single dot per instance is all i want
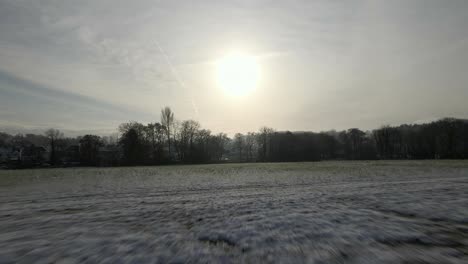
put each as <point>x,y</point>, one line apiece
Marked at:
<point>238,74</point>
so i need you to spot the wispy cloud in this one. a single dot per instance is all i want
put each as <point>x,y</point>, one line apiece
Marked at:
<point>323,56</point>
<point>43,105</point>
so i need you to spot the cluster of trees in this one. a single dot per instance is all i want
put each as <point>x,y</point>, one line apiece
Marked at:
<point>167,141</point>
<point>272,146</point>
<point>173,141</point>
<point>170,141</point>
<point>51,147</point>
<point>443,139</point>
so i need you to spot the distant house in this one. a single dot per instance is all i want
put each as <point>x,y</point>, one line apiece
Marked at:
<point>10,157</point>
<point>33,155</point>
<point>14,155</point>
<point>4,154</point>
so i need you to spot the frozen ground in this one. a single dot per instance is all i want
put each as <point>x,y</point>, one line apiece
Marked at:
<point>326,212</point>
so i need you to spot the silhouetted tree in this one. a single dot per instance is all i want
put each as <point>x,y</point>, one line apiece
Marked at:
<point>155,136</point>
<point>249,141</point>
<point>133,152</point>
<point>133,142</point>
<point>356,138</point>
<point>264,138</point>
<point>167,120</point>
<point>239,145</point>
<point>53,136</point>
<point>89,149</point>
<point>188,130</point>
<point>218,146</point>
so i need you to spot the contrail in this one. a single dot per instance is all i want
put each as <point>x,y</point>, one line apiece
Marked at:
<point>176,75</point>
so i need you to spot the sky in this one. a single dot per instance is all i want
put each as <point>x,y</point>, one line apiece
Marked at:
<point>91,65</point>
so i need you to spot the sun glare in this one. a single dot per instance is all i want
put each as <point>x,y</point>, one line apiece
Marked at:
<point>238,74</point>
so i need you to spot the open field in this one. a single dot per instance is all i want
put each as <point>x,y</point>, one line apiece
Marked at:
<point>324,212</point>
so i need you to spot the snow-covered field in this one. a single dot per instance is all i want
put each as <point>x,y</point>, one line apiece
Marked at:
<point>324,212</point>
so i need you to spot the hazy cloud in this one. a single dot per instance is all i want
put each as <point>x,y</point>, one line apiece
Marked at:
<point>338,63</point>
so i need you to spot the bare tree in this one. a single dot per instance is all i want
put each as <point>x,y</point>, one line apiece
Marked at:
<point>249,145</point>
<point>111,139</point>
<point>239,145</point>
<point>167,120</point>
<point>53,135</point>
<point>356,138</point>
<point>138,127</point>
<point>264,138</point>
<point>188,131</point>
<point>155,133</point>
<point>89,149</point>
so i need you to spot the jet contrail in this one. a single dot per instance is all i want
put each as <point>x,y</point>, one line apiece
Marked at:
<point>176,75</point>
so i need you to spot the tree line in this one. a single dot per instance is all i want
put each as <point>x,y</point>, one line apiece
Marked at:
<point>172,141</point>
<point>443,139</point>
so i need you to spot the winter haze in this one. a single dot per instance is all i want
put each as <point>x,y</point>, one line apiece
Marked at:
<point>324,64</point>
